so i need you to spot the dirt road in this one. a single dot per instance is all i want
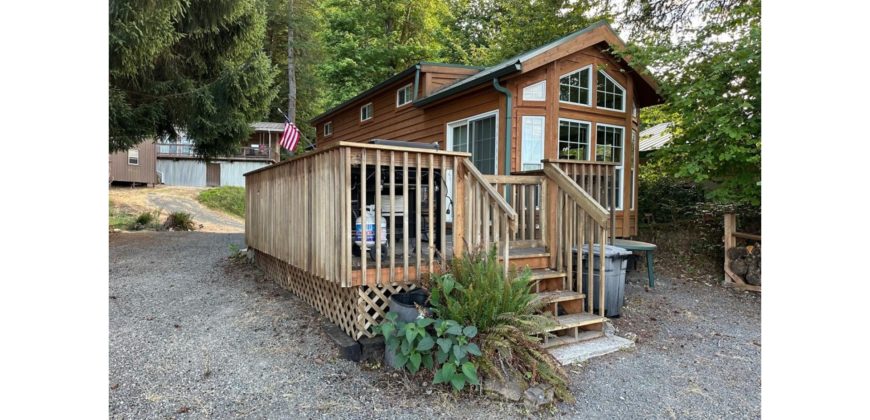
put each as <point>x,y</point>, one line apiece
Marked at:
<point>172,199</point>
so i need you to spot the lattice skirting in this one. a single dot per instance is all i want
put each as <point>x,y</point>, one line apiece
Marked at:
<point>354,309</point>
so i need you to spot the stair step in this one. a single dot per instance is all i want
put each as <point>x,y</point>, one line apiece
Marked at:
<point>546,273</point>
<point>526,253</point>
<point>576,320</point>
<point>570,339</point>
<point>558,296</point>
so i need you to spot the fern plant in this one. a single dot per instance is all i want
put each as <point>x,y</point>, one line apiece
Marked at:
<point>475,292</point>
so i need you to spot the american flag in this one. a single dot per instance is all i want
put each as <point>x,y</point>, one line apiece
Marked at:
<point>290,137</point>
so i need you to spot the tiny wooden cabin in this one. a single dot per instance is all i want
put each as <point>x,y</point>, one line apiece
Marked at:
<point>536,156</point>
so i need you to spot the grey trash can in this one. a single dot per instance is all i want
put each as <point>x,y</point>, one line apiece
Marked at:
<point>615,262</point>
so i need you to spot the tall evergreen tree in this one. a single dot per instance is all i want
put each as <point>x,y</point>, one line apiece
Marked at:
<point>191,65</point>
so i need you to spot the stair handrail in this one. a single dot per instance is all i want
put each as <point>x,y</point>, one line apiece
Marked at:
<point>494,195</point>
<point>580,196</point>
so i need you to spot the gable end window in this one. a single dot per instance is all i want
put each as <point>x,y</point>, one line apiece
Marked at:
<point>366,111</point>
<point>610,95</point>
<point>574,87</point>
<point>404,95</point>
<point>133,157</point>
<point>327,129</point>
<point>535,92</point>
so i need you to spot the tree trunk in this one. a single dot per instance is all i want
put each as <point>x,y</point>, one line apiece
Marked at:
<point>291,69</point>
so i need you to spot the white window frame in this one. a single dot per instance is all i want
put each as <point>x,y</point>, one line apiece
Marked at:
<point>590,86</point>
<point>527,96</point>
<point>130,156</point>
<point>634,136</point>
<point>371,112</point>
<point>523,161</point>
<point>589,127</point>
<point>327,133</point>
<point>621,166</point>
<point>408,96</point>
<point>614,82</point>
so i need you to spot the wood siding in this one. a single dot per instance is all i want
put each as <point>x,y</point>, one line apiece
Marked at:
<point>145,172</point>
<point>410,123</point>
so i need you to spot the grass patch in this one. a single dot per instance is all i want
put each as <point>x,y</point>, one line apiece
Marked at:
<point>119,219</point>
<point>179,221</point>
<point>227,199</point>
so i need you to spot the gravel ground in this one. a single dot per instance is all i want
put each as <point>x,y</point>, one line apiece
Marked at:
<point>195,334</point>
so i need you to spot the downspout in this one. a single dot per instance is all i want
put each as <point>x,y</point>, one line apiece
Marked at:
<point>507,129</point>
<point>416,81</point>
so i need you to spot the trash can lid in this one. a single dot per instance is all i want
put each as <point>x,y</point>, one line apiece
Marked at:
<point>609,250</point>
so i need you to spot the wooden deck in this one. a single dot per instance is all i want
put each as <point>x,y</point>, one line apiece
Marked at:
<point>303,213</point>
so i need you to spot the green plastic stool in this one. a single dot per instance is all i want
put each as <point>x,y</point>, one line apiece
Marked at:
<point>647,247</point>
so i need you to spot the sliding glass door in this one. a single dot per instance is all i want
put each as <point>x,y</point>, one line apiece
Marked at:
<point>476,135</point>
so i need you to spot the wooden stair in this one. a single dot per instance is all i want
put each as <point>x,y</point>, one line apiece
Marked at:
<point>553,289</point>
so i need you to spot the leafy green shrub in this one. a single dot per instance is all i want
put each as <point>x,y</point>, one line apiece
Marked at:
<point>179,221</point>
<point>415,346</point>
<point>475,292</point>
<point>454,348</point>
<point>227,199</point>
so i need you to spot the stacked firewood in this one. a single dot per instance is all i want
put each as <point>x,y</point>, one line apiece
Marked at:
<point>746,263</point>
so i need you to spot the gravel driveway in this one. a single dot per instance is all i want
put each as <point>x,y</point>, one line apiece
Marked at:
<point>195,334</point>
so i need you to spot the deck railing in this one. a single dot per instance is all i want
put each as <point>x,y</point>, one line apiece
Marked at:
<point>186,150</point>
<point>525,195</point>
<point>311,212</point>
<point>487,218</point>
<point>597,179</point>
<point>582,226</point>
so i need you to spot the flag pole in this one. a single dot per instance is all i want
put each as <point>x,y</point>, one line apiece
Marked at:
<point>300,131</point>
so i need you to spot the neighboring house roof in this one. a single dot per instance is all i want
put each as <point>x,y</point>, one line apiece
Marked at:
<point>268,126</point>
<point>655,137</point>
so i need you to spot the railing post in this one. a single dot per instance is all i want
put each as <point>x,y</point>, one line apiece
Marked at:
<point>459,208</point>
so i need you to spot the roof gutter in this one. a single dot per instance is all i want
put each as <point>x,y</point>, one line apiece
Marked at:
<point>507,125</point>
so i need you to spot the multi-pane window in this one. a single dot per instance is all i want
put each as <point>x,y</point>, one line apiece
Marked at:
<point>574,87</point>
<point>573,139</point>
<point>327,129</point>
<point>133,157</point>
<point>633,174</point>
<point>610,94</point>
<point>609,140</point>
<point>404,95</point>
<point>366,111</point>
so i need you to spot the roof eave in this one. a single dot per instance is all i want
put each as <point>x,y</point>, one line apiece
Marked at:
<point>399,76</point>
